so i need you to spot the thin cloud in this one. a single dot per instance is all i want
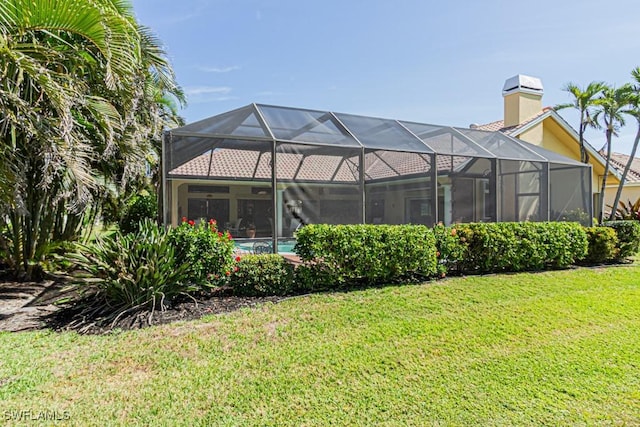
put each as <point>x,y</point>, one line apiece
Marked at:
<point>181,18</point>
<point>219,69</point>
<point>208,99</point>
<point>207,90</point>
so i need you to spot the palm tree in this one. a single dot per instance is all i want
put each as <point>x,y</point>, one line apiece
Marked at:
<point>634,111</point>
<point>78,82</point>
<point>611,106</point>
<point>584,102</point>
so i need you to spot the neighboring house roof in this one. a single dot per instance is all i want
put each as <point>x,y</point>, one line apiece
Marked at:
<point>619,161</point>
<point>515,131</point>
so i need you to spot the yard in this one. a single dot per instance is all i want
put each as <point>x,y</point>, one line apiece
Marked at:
<point>554,348</point>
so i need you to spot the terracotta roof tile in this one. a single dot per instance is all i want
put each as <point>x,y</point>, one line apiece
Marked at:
<point>499,126</point>
<point>239,164</point>
<point>619,161</point>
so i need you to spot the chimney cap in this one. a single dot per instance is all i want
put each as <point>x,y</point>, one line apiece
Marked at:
<point>522,83</point>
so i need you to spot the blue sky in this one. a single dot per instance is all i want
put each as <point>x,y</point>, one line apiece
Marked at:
<point>435,62</point>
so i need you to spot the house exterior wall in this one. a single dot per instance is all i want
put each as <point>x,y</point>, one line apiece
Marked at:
<point>550,135</point>
<point>630,192</point>
<point>536,136</point>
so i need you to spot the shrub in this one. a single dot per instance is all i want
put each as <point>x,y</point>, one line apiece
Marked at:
<point>142,206</point>
<point>133,270</point>
<point>628,233</point>
<point>603,245</point>
<point>494,247</point>
<point>352,255</point>
<point>451,250</point>
<point>259,275</point>
<point>207,252</point>
<point>565,242</point>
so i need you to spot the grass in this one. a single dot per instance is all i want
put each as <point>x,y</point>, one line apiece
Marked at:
<point>556,348</point>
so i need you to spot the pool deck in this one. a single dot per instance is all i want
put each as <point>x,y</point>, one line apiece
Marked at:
<point>293,259</point>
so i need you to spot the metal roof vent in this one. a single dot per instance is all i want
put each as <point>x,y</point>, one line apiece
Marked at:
<point>522,83</point>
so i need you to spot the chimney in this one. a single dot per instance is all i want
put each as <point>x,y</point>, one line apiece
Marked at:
<point>522,99</point>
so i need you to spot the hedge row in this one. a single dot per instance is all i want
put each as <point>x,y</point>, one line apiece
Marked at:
<point>628,233</point>
<point>150,266</point>
<point>261,275</point>
<point>338,256</point>
<point>603,245</point>
<point>347,256</point>
<point>496,247</point>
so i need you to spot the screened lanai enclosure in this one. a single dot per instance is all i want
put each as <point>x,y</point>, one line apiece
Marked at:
<point>263,171</point>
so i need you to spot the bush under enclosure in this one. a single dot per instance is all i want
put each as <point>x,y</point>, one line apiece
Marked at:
<point>495,247</point>
<point>339,256</point>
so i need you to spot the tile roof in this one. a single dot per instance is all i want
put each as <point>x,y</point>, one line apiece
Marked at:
<point>619,161</point>
<point>499,126</point>
<point>252,165</point>
<point>249,164</point>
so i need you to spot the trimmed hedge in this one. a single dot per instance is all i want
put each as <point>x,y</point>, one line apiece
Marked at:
<point>495,247</point>
<point>603,245</point>
<point>207,252</point>
<point>452,249</point>
<point>159,264</point>
<point>260,275</point>
<point>338,256</point>
<point>628,233</point>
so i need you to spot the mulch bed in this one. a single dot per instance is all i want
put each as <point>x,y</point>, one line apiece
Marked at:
<point>70,318</point>
<point>55,305</point>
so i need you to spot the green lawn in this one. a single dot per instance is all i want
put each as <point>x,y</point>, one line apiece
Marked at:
<point>558,348</point>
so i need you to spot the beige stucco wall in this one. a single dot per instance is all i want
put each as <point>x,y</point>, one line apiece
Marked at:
<point>630,192</point>
<point>550,135</point>
<point>534,136</point>
<point>519,106</point>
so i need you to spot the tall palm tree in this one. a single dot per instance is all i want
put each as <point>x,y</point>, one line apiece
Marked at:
<point>634,111</point>
<point>583,101</point>
<point>76,115</point>
<point>611,105</point>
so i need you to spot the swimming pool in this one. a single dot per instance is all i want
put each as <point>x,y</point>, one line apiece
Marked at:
<point>247,245</point>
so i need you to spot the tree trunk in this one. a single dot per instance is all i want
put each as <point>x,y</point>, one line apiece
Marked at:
<point>584,158</point>
<point>609,133</point>
<point>614,206</point>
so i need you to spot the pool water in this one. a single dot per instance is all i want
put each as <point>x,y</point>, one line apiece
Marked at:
<point>284,247</point>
